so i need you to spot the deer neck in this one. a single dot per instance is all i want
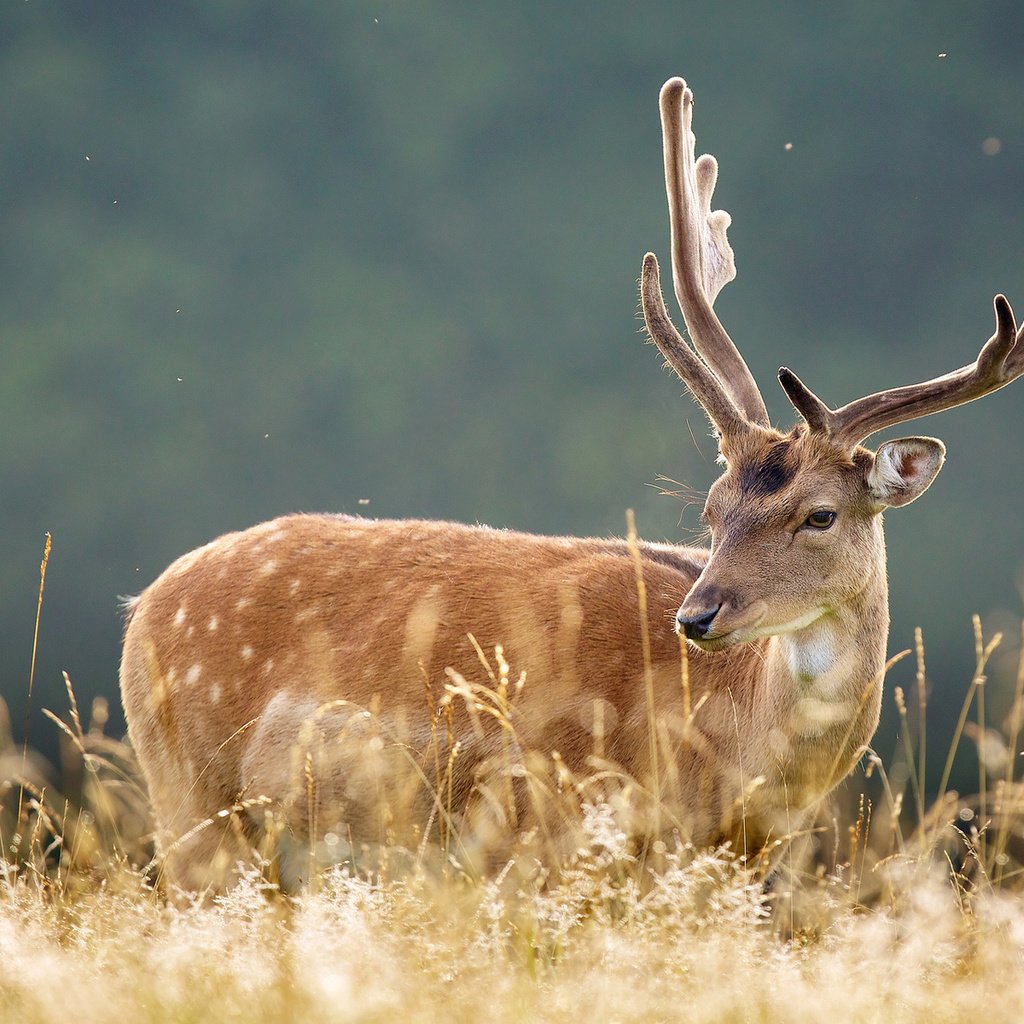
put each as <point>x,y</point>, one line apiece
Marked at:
<point>825,684</point>
<point>839,649</point>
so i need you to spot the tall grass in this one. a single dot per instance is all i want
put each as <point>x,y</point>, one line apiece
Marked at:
<point>893,905</point>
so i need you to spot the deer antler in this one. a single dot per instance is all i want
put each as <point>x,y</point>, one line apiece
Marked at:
<point>703,384</point>
<point>1000,361</point>
<point>702,259</point>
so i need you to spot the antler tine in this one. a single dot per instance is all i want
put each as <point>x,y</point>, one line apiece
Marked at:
<point>1000,361</point>
<point>819,416</point>
<point>703,384</point>
<point>702,259</point>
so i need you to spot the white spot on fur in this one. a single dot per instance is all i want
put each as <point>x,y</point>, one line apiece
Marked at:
<point>183,564</point>
<point>242,602</point>
<point>571,616</point>
<point>421,625</point>
<point>294,587</point>
<point>811,659</point>
<point>190,631</point>
<point>268,666</point>
<point>215,693</point>
<point>179,616</point>
<point>813,717</point>
<point>246,652</point>
<point>598,717</point>
<point>268,567</point>
<point>193,674</point>
<point>212,624</point>
<point>306,614</point>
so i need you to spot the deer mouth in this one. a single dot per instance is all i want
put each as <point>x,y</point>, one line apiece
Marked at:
<point>711,644</point>
<point>723,641</point>
<point>731,628</point>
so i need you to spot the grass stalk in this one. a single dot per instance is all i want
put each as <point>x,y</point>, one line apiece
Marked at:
<point>922,709</point>
<point>1005,812</point>
<point>982,652</point>
<point>645,646</point>
<point>32,668</point>
<point>908,753</point>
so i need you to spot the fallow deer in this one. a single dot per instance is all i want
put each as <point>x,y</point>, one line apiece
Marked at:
<point>342,626</point>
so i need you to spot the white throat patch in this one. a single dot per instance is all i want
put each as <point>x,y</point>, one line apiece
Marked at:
<point>813,655</point>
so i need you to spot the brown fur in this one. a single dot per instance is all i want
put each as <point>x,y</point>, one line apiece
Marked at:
<point>240,645</point>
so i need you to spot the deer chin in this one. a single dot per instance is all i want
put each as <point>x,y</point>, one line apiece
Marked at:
<point>753,627</point>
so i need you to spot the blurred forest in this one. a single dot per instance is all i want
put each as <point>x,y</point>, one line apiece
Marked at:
<point>381,257</point>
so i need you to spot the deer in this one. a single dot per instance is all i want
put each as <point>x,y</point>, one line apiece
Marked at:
<point>750,671</point>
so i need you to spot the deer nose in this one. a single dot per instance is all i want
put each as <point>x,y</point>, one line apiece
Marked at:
<point>696,627</point>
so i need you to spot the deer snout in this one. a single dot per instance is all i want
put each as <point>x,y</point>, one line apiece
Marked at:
<point>696,624</point>
<point>707,597</point>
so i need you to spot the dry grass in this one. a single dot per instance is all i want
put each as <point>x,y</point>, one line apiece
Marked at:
<point>870,917</point>
<point>698,946</point>
<point>895,906</point>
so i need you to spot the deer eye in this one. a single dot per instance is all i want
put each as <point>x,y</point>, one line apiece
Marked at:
<point>822,519</point>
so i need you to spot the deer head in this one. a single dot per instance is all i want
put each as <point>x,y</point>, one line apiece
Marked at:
<point>795,518</point>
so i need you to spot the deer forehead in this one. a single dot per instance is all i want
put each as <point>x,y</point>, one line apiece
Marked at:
<point>778,475</point>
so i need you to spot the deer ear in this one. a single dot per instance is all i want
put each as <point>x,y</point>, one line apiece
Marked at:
<point>904,469</point>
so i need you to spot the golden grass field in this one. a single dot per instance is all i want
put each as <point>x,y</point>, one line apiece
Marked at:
<point>891,908</point>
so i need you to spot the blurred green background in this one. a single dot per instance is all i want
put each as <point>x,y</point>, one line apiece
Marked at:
<point>263,257</point>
